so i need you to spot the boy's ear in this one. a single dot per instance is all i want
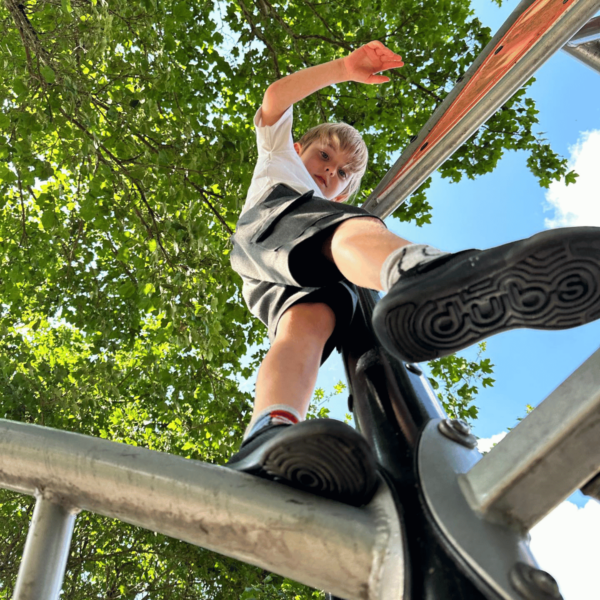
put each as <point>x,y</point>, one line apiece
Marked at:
<point>298,148</point>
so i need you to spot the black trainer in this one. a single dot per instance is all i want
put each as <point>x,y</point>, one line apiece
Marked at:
<point>549,281</point>
<point>321,456</point>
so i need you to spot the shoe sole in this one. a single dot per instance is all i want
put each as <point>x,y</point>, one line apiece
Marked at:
<point>326,458</point>
<point>549,281</point>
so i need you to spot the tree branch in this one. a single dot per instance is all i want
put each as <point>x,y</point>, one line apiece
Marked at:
<point>23,215</point>
<point>27,32</point>
<point>316,13</point>
<point>154,222</point>
<point>417,85</point>
<point>261,37</point>
<point>208,203</point>
<point>125,268</point>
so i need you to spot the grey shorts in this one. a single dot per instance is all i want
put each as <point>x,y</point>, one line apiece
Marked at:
<point>277,252</point>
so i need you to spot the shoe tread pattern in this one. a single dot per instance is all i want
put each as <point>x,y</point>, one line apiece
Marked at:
<point>557,287</point>
<point>327,466</point>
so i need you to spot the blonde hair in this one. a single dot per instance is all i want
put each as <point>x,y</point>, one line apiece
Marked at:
<point>345,139</point>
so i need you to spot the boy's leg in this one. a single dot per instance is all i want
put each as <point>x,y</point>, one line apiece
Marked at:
<point>359,248</point>
<point>325,457</point>
<point>368,254</point>
<point>439,303</point>
<point>288,373</point>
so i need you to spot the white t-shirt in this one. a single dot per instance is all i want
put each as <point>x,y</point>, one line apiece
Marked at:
<point>277,161</point>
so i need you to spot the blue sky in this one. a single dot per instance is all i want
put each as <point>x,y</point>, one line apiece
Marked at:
<point>503,206</point>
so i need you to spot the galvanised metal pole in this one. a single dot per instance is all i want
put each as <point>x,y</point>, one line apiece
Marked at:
<point>46,551</point>
<point>588,54</point>
<point>543,460</point>
<point>585,44</point>
<point>355,553</point>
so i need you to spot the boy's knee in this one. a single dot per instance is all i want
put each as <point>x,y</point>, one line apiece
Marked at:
<point>314,319</point>
<point>349,228</point>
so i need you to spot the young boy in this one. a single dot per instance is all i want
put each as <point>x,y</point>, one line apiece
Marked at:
<point>297,245</point>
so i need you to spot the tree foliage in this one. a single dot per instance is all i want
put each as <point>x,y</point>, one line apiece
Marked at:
<point>126,148</point>
<point>457,382</point>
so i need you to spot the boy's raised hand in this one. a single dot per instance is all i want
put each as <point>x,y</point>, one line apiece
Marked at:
<point>359,66</point>
<point>369,59</point>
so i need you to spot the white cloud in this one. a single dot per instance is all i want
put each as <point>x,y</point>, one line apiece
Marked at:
<point>579,203</point>
<point>566,545</point>
<point>485,444</point>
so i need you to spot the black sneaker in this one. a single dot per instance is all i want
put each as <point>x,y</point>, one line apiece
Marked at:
<point>549,281</point>
<point>321,456</point>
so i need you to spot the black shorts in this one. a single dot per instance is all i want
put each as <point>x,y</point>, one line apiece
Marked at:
<point>277,252</point>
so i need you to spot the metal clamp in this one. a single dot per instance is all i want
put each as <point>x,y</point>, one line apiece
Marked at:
<point>489,551</point>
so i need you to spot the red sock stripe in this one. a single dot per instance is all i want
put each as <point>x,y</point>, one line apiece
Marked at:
<point>283,414</point>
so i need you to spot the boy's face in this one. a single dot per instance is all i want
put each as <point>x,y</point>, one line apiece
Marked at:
<point>328,167</point>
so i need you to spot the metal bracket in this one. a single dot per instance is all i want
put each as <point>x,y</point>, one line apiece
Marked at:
<point>488,551</point>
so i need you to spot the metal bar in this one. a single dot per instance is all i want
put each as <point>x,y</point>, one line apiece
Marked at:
<point>588,54</point>
<point>533,32</point>
<point>353,553</point>
<point>46,551</point>
<point>590,32</point>
<point>549,455</point>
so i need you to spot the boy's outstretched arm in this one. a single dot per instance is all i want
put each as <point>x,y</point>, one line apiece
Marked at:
<point>361,66</point>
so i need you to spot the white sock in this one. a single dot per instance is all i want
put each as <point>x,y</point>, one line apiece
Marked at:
<point>277,414</point>
<point>403,259</point>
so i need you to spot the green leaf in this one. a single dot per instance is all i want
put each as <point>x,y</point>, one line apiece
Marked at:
<point>19,86</point>
<point>49,219</point>
<point>571,177</point>
<point>48,74</point>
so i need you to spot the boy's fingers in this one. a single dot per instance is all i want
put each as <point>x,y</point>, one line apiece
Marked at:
<point>395,65</point>
<point>376,44</point>
<point>383,51</point>
<point>377,79</point>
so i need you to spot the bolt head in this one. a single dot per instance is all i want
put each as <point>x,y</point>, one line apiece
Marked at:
<point>545,582</point>
<point>458,431</point>
<point>534,584</point>
<point>461,426</point>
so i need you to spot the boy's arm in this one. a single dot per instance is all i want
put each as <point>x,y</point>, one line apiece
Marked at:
<point>361,65</point>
